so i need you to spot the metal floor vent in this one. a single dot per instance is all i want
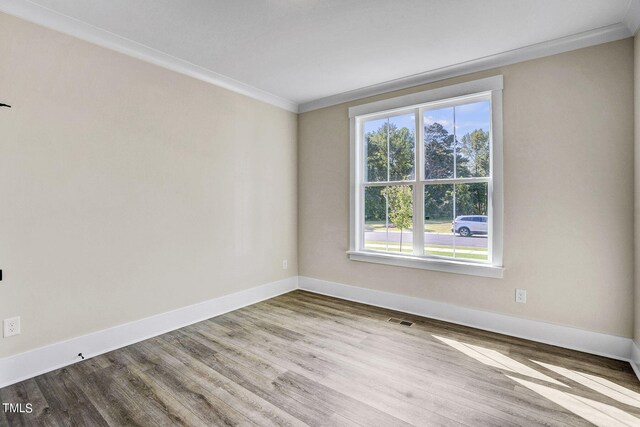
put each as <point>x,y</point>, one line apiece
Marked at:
<point>400,322</point>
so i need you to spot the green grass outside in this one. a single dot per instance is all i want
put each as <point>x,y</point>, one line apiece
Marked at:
<point>470,248</point>
<point>408,248</point>
<point>437,227</point>
<point>393,247</point>
<point>470,256</point>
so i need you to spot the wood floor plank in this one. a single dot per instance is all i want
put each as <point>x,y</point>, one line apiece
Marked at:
<point>123,400</point>
<point>559,413</point>
<point>67,400</point>
<point>504,342</point>
<point>28,392</point>
<point>522,348</point>
<point>425,394</point>
<point>308,359</point>
<point>5,422</point>
<point>356,380</point>
<point>254,407</point>
<point>365,392</point>
<point>195,339</point>
<point>203,406</point>
<point>250,378</point>
<point>107,396</point>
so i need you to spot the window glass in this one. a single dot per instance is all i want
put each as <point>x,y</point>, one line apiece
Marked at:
<point>452,234</point>
<point>439,238</point>
<point>377,156</point>
<point>389,218</point>
<point>390,148</point>
<point>472,236</point>
<point>438,143</point>
<point>473,125</point>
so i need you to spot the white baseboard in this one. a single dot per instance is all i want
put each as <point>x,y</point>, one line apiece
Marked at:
<point>563,336</point>
<point>26,365</point>
<point>635,358</point>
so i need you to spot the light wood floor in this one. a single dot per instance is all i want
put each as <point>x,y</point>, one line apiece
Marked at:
<point>305,359</point>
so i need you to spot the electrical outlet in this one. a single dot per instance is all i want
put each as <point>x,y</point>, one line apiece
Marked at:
<point>521,296</point>
<point>285,264</point>
<point>11,326</point>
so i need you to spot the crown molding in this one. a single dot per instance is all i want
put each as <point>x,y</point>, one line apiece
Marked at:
<point>577,41</point>
<point>632,16</point>
<point>45,17</point>
<point>65,24</point>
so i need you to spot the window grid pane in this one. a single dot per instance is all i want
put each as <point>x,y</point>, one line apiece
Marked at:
<point>390,148</point>
<point>473,127</point>
<point>388,218</point>
<point>456,221</point>
<point>456,141</point>
<point>438,143</point>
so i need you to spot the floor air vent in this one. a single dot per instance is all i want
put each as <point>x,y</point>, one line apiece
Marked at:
<point>400,322</point>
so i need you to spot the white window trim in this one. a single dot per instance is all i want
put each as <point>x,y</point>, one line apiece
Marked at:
<point>493,86</point>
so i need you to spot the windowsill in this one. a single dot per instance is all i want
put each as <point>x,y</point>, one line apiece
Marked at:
<point>448,266</point>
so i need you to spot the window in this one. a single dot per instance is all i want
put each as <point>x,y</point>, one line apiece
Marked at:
<point>426,178</point>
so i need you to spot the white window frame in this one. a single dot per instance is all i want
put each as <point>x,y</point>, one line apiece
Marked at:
<point>489,88</point>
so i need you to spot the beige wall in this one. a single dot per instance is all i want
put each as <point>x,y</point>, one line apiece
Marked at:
<point>568,144</point>
<point>129,190</point>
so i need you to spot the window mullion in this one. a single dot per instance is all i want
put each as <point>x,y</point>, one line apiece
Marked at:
<point>387,183</point>
<point>471,180</point>
<point>418,188</point>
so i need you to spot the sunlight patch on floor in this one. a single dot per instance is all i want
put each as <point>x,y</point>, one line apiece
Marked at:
<point>601,385</point>
<point>497,360</point>
<point>598,413</point>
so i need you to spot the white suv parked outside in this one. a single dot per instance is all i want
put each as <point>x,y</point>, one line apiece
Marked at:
<point>468,225</point>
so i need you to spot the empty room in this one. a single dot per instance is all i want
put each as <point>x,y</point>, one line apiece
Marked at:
<point>320,213</point>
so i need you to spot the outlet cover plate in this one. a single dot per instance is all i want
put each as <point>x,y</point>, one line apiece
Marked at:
<point>11,326</point>
<point>521,296</point>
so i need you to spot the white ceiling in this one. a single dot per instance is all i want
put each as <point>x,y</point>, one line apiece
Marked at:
<point>303,50</point>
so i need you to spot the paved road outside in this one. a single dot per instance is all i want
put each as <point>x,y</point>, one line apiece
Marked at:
<point>429,238</point>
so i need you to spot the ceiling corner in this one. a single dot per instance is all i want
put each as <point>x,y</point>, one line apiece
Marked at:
<point>632,16</point>
<point>59,22</point>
